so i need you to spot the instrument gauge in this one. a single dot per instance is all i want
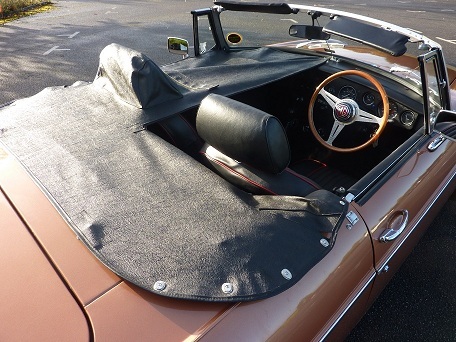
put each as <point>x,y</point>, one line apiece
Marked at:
<point>347,92</point>
<point>407,118</point>
<point>368,99</point>
<point>393,110</point>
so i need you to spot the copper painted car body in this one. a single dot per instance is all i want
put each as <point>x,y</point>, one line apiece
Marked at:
<point>79,298</point>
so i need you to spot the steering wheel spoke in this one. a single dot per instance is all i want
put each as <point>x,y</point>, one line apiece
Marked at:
<point>336,129</point>
<point>330,98</point>
<point>364,116</point>
<point>347,111</point>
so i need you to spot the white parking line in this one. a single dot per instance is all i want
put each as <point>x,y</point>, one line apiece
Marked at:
<point>451,41</point>
<point>55,48</point>
<point>292,20</point>
<point>113,8</point>
<point>69,36</point>
<point>73,35</point>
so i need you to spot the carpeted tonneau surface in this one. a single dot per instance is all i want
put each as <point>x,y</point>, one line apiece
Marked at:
<point>152,213</point>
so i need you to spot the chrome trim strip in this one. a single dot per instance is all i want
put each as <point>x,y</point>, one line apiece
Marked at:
<point>417,223</point>
<point>372,277</point>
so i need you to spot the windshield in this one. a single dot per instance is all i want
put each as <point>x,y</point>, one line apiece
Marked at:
<point>376,43</point>
<point>253,29</point>
<point>259,29</point>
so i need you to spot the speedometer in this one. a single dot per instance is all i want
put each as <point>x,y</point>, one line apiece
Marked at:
<point>347,92</point>
<point>368,99</point>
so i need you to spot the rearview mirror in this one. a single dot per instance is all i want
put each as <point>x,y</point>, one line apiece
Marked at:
<point>178,46</point>
<point>308,32</point>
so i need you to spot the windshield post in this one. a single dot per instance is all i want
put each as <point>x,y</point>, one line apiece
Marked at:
<point>211,34</point>
<point>196,14</point>
<point>434,87</point>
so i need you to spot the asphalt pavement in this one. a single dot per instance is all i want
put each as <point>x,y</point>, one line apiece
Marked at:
<point>62,46</point>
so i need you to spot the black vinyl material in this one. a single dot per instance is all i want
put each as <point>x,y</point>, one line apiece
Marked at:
<point>244,133</point>
<point>249,148</point>
<point>134,77</point>
<point>250,179</point>
<point>179,132</point>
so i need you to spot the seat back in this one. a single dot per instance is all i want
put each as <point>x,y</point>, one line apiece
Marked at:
<point>248,147</point>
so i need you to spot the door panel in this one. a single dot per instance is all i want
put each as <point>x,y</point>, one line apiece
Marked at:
<point>400,211</point>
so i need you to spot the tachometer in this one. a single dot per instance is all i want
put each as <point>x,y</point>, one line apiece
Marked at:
<point>368,99</point>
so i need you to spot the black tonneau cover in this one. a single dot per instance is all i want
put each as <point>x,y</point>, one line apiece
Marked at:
<point>176,87</point>
<point>151,213</point>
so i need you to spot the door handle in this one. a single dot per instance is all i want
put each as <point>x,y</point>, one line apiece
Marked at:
<point>396,225</point>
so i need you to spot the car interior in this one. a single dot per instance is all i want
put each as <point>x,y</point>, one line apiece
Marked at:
<point>287,101</point>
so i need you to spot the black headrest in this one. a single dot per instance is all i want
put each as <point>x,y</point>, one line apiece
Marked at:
<point>243,133</point>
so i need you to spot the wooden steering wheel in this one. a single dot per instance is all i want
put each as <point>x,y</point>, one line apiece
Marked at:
<point>347,111</point>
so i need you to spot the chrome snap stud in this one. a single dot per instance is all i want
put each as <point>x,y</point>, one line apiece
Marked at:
<point>324,242</point>
<point>227,288</point>
<point>286,274</point>
<point>159,285</point>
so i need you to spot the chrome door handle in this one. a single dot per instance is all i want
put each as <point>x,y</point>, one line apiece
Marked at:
<point>399,218</point>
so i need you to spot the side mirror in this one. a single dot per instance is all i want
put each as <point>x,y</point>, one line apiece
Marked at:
<point>178,46</point>
<point>308,32</point>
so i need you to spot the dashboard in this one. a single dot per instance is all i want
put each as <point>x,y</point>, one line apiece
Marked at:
<point>370,101</point>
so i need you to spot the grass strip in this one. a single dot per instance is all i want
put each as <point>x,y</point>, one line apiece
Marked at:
<point>14,9</point>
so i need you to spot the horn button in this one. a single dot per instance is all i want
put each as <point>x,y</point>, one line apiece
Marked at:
<point>345,111</point>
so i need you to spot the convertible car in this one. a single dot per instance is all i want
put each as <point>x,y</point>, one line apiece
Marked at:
<point>265,187</point>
